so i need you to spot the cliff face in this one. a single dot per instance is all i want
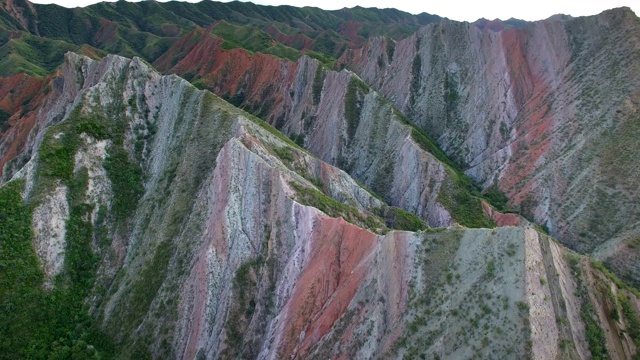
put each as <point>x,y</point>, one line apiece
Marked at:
<point>545,112</point>
<point>339,119</point>
<point>214,236</point>
<point>20,98</point>
<point>141,216</point>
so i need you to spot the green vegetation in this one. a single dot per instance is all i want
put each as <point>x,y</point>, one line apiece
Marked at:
<point>416,76</point>
<point>630,315</point>
<point>297,138</point>
<point>390,46</point>
<point>423,140</point>
<point>4,120</point>
<point>32,55</point>
<point>457,195</point>
<point>253,39</point>
<point>329,43</point>
<point>491,269</point>
<point>353,100</point>
<point>34,322</point>
<point>284,153</point>
<point>144,289</point>
<point>147,29</point>
<point>253,286</point>
<point>326,60</point>
<point>57,153</point>
<point>496,197</point>
<point>398,219</point>
<point>595,335</point>
<point>318,82</point>
<point>313,197</point>
<point>265,125</point>
<point>95,129</point>
<point>244,289</point>
<point>628,311</point>
<point>56,157</point>
<point>61,144</point>
<point>65,328</point>
<point>407,221</point>
<point>126,182</point>
<point>598,265</point>
<point>20,274</point>
<point>436,257</point>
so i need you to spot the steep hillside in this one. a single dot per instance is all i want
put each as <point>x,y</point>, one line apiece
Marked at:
<point>20,99</point>
<point>547,113</point>
<point>278,182</point>
<point>148,28</point>
<point>169,223</point>
<point>102,181</point>
<point>339,119</point>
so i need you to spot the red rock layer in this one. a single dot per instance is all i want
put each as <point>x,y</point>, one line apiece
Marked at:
<point>20,95</point>
<point>503,219</point>
<point>328,283</point>
<point>296,41</point>
<point>531,94</point>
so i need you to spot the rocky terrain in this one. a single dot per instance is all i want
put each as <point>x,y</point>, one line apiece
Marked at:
<point>506,103</point>
<point>545,112</point>
<point>143,216</point>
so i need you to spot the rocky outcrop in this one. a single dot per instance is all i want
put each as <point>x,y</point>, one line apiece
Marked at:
<point>20,96</point>
<point>166,222</point>
<point>231,241</point>
<point>337,118</point>
<point>544,111</point>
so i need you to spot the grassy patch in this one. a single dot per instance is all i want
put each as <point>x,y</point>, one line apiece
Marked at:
<point>95,129</point>
<point>398,219</point>
<point>598,265</point>
<point>465,208</point>
<point>284,153</point>
<point>251,38</point>
<point>57,154</point>
<point>20,274</point>
<point>33,55</point>
<point>423,140</point>
<point>272,130</point>
<point>67,327</point>
<point>4,120</point>
<point>630,315</point>
<point>594,333</point>
<point>458,194</point>
<point>436,258</point>
<point>318,82</point>
<point>353,105</point>
<point>315,198</point>
<point>496,197</point>
<point>326,60</point>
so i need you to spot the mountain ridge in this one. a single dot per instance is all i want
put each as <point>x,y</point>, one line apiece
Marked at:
<point>97,85</point>
<point>145,216</point>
